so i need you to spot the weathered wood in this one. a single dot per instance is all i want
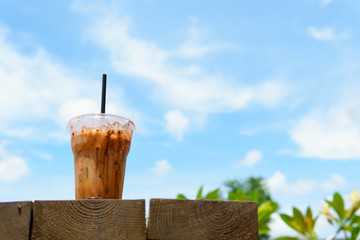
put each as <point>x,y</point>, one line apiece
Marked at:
<point>89,219</point>
<point>202,219</point>
<point>15,218</point>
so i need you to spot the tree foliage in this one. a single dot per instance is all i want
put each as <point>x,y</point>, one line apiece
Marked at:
<point>345,220</point>
<point>253,187</point>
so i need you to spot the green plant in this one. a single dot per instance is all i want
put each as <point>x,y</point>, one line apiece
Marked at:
<point>253,189</point>
<point>346,220</point>
<point>303,224</point>
<point>212,195</point>
<point>250,187</point>
<point>265,210</point>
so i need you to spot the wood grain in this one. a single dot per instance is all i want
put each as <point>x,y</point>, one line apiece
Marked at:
<point>89,219</point>
<point>15,218</point>
<point>202,219</point>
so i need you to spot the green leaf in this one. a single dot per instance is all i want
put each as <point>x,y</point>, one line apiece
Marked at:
<point>347,228</point>
<point>263,228</point>
<point>309,221</point>
<point>255,196</point>
<point>354,219</point>
<point>232,196</point>
<point>299,218</point>
<point>338,204</point>
<point>355,233</point>
<point>291,222</point>
<point>265,210</point>
<point>214,195</point>
<point>199,194</point>
<point>309,213</point>
<point>181,196</point>
<point>331,204</point>
<point>288,220</point>
<point>240,195</point>
<point>351,213</point>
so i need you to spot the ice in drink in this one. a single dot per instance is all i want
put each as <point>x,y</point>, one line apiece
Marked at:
<point>100,144</point>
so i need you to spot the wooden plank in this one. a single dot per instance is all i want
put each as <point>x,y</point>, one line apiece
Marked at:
<point>89,219</point>
<point>15,218</point>
<point>202,219</point>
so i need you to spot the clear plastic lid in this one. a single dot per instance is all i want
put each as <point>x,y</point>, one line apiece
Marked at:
<point>101,122</point>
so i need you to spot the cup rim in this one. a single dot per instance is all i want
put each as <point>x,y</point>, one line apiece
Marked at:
<point>127,122</point>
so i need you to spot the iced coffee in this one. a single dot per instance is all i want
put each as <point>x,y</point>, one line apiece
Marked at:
<point>100,144</point>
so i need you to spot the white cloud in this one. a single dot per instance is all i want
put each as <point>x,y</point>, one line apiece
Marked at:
<point>162,167</point>
<point>194,47</point>
<point>278,183</point>
<point>176,124</point>
<point>12,167</point>
<point>35,88</point>
<point>174,79</point>
<point>331,134</point>
<point>251,158</point>
<point>326,33</point>
<point>73,107</point>
<point>335,183</point>
<point>270,93</point>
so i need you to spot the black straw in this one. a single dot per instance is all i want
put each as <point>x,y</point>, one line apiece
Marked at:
<point>103,94</point>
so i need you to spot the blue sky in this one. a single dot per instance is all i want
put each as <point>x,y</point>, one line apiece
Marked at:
<point>217,91</point>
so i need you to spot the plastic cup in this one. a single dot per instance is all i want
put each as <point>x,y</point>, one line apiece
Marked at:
<point>100,144</point>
